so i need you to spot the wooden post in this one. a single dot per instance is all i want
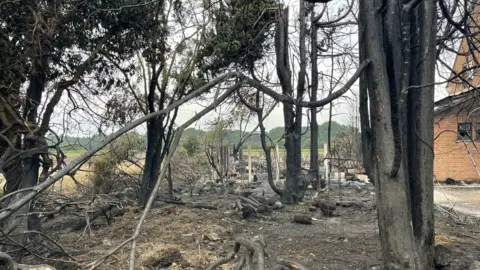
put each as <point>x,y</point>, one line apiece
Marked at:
<point>249,163</point>
<point>277,159</point>
<point>170,182</point>
<point>221,161</point>
<point>326,160</point>
<point>224,161</point>
<point>227,160</point>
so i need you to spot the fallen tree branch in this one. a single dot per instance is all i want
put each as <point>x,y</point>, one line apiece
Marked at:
<point>57,245</point>
<point>107,210</point>
<point>254,200</point>
<point>204,206</point>
<point>241,263</point>
<point>27,249</point>
<point>230,256</point>
<point>249,201</point>
<point>260,250</point>
<point>238,205</point>
<point>198,205</point>
<point>100,261</point>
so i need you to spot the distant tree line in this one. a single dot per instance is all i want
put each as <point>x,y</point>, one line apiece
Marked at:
<point>233,136</point>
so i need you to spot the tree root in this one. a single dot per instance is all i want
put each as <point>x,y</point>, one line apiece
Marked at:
<point>257,250</point>
<point>8,263</point>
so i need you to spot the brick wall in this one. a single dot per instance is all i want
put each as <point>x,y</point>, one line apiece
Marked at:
<point>451,157</point>
<point>457,86</point>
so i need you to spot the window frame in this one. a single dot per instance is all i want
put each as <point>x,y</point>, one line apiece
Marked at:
<point>467,74</point>
<point>469,135</point>
<point>477,129</point>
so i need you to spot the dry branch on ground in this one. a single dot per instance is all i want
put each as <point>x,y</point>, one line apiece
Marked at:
<point>256,257</point>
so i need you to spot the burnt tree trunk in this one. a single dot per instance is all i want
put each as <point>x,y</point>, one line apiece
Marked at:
<point>313,117</point>
<point>155,151</point>
<point>399,39</point>
<point>153,159</point>
<point>266,149</point>
<point>294,186</point>
<point>12,166</point>
<point>420,138</point>
<point>30,165</point>
<point>301,184</point>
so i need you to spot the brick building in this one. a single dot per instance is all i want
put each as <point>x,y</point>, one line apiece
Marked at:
<point>457,118</point>
<point>457,137</point>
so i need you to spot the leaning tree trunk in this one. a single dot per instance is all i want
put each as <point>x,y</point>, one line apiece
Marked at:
<point>399,40</point>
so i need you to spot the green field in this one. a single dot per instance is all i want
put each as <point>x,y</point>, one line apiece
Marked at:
<point>245,150</point>
<point>78,151</point>
<point>281,150</point>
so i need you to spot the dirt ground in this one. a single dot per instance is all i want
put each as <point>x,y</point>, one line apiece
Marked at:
<point>176,236</point>
<point>461,199</point>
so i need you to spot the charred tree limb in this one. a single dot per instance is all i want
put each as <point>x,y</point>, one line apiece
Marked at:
<point>290,100</point>
<point>230,256</point>
<point>259,250</point>
<point>249,201</point>
<point>107,210</point>
<point>302,219</point>
<point>244,138</point>
<point>267,152</point>
<point>65,84</point>
<point>334,21</point>
<point>34,191</point>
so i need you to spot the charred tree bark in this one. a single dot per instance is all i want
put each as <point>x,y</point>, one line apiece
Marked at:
<point>12,166</point>
<point>30,164</point>
<point>421,106</point>
<point>294,186</point>
<point>155,130</point>
<point>153,158</point>
<point>259,110</point>
<point>399,39</point>
<point>266,149</point>
<point>301,184</point>
<point>313,117</point>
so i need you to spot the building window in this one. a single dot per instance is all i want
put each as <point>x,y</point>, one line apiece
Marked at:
<point>464,131</point>
<point>467,73</point>
<point>478,130</point>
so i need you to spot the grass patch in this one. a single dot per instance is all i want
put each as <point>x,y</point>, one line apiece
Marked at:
<point>76,151</point>
<point>281,150</point>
